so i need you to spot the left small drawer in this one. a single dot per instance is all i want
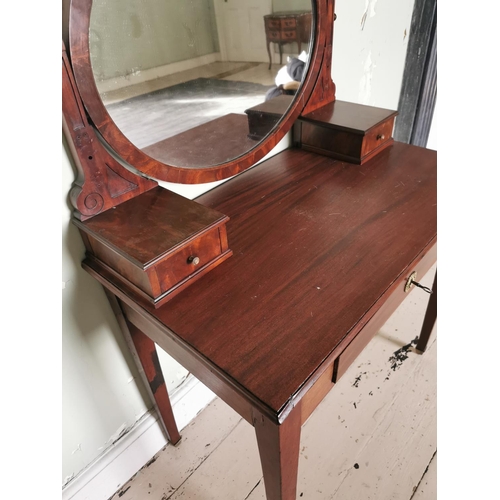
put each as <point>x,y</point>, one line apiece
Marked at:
<point>156,244</point>
<point>189,260</point>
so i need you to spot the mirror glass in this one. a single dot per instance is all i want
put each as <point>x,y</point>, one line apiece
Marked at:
<point>197,83</point>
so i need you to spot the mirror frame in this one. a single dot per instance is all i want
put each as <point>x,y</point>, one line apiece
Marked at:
<point>79,24</point>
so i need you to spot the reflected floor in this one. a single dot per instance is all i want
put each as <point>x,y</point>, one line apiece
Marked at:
<point>237,71</point>
<point>153,117</point>
<point>151,112</point>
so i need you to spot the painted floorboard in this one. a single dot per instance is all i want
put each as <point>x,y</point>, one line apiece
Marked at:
<point>427,489</point>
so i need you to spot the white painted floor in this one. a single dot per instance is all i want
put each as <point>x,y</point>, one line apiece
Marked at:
<point>238,72</point>
<point>372,438</point>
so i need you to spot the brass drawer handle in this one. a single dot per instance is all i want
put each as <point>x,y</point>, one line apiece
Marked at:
<point>380,137</point>
<point>193,259</point>
<point>412,280</point>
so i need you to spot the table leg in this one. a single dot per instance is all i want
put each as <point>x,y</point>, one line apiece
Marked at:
<point>146,357</point>
<point>429,319</point>
<point>279,447</point>
<point>269,52</point>
<point>280,45</point>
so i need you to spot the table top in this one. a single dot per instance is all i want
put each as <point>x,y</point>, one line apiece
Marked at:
<point>227,136</point>
<point>316,243</point>
<point>349,116</point>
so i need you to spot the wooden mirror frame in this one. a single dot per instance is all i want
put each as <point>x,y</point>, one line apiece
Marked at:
<point>317,89</point>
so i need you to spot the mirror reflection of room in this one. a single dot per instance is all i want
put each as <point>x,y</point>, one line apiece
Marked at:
<point>166,67</point>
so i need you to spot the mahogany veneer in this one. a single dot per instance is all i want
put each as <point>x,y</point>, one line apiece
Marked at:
<point>347,131</point>
<point>322,248</point>
<point>322,253</point>
<point>319,247</point>
<point>211,143</point>
<point>157,244</point>
<point>317,88</point>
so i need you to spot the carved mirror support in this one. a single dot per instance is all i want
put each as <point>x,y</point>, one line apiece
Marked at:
<point>102,182</point>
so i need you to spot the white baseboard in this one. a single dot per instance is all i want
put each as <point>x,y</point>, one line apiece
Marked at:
<point>118,463</point>
<point>142,76</point>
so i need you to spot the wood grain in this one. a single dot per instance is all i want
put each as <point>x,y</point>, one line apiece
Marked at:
<point>347,131</point>
<point>324,88</point>
<point>157,243</point>
<point>80,59</point>
<point>212,143</point>
<point>279,454</point>
<point>152,226</point>
<point>102,182</point>
<point>144,353</point>
<point>316,244</point>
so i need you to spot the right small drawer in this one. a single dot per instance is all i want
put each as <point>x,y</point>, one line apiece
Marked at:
<point>347,131</point>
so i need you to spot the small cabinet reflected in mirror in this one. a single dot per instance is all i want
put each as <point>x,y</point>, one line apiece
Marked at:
<point>198,83</point>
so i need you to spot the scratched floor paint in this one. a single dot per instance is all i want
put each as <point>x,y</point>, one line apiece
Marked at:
<point>372,438</point>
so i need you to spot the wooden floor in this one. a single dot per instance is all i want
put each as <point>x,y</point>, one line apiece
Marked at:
<point>150,112</point>
<point>236,71</point>
<point>372,438</point>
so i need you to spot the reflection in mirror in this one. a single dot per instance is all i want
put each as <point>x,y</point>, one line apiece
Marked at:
<point>201,82</point>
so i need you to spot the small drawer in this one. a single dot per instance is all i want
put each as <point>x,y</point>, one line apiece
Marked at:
<point>289,35</point>
<point>156,244</point>
<point>274,35</point>
<point>273,23</point>
<point>376,138</point>
<point>288,23</point>
<point>188,260</point>
<point>348,131</point>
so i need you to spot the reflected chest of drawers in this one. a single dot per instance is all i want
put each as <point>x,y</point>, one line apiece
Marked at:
<point>287,27</point>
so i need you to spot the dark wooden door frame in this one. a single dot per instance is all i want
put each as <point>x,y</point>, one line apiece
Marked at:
<point>419,87</point>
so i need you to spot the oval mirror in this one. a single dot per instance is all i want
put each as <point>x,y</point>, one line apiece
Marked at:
<point>192,91</point>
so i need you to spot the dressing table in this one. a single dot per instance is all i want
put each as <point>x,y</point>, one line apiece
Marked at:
<point>269,286</point>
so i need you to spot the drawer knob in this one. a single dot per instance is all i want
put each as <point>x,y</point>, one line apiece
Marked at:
<point>193,259</point>
<point>380,137</point>
<point>412,280</point>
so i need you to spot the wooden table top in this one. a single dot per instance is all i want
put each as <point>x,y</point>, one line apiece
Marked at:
<point>349,116</point>
<point>211,143</point>
<point>316,242</point>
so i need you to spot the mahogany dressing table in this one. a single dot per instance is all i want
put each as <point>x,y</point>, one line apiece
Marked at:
<point>267,287</point>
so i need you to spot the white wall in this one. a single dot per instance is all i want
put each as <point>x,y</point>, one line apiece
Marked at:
<point>369,50</point>
<point>101,391</point>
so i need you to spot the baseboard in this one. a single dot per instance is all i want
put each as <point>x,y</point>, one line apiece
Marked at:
<point>118,463</point>
<point>142,76</point>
